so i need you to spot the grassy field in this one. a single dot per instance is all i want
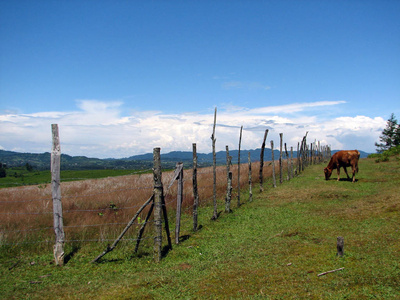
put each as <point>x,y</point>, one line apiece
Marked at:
<point>273,248</point>
<point>20,176</point>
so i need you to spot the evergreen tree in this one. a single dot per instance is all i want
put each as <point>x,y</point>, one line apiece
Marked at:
<point>390,136</point>
<point>3,172</point>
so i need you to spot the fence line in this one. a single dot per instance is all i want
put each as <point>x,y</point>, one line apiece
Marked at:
<point>305,156</point>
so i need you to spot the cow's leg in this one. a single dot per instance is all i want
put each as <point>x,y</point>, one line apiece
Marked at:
<point>345,170</point>
<point>338,174</point>
<point>354,169</point>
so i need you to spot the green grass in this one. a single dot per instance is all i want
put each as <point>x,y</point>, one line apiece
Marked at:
<point>20,176</point>
<point>273,248</point>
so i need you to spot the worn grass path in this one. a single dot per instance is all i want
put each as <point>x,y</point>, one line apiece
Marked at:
<point>272,248</point>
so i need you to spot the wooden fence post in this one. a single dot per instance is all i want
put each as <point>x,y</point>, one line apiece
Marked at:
<point>215,214</point>
<point>340,246</point>
<point>250,181</point>
<point>273,165</point>
<point>287,163</point>
<point>291,163</point>
<point>229,181</point>
<point>179,201</point>
<point>195,191</point>
<point>298,158</point>
<point>280,160</point>
<point>228,194</point>
<point>240,142</point>
<point>158,194</point>
<point>261,176</point>
<point>56,194</point>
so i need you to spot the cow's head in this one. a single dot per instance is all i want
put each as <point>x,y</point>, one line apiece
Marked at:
<point>328,173</point>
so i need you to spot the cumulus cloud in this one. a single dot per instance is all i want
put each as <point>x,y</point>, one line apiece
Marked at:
<point>102,129</point>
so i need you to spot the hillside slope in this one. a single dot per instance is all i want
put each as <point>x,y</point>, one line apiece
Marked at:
<point>41,161</point>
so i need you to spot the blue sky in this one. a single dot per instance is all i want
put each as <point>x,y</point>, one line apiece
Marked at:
<point>122,77</point>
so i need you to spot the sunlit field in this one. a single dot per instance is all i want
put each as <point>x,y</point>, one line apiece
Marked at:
<point>96,210</point>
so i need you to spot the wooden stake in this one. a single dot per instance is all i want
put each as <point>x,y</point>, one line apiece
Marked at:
<point>179,201</point>
<point>261,177</point>
<point>250,181</point>
<point>215,214</point>
<point>340,246</point>
<point>56,194</point>
<point>195,190</point>
<point>229,181</point>
<point>273,165</point>
<point>158,203</point>
<point>240,142</point>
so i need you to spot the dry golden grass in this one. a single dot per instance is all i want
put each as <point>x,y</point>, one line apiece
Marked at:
<point>98,209</point>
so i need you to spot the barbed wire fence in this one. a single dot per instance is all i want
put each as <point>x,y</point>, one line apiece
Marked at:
<point>96,210</point>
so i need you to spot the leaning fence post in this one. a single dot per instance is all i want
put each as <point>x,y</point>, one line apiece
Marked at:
<point>56,194</point>
<point>195,191</point>
<point>158,194</point>
<point>273,164</point>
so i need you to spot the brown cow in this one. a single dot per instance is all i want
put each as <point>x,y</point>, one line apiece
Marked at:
<point>344,158</point>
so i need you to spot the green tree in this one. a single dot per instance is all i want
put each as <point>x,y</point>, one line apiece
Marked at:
<point>29,167</point>
<point>3,172</point>
<point>390,136</point>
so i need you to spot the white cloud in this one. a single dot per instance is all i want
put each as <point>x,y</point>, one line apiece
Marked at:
<point>100,129</point>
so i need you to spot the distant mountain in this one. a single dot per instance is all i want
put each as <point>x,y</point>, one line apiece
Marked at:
<point>41,161</point>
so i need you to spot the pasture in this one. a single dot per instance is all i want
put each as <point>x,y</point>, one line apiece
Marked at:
<point>273,247</point>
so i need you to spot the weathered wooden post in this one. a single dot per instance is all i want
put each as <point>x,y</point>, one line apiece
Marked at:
<point>195,190</point>
<point>240,142</point>
<point>215,214</point>
<point>280,160</point>
<point>273,165</point>
<point>229,181</point>
<point>179,201</point>
<point>158,195</point>
<point>261,176</point>
<point>312,154</point>
<point>56,194</point>
<point>340,246</point>
<point>298,158</point>
<point>291,163</point>
<point>250,181</point>
<point>287,163</point>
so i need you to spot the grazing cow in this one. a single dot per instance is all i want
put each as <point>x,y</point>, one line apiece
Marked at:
<point>344,158</point>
